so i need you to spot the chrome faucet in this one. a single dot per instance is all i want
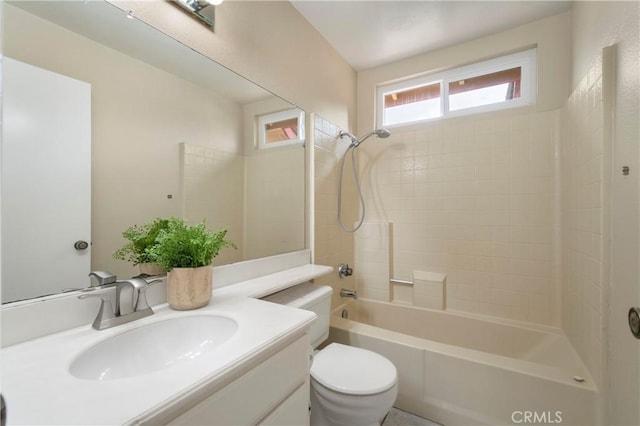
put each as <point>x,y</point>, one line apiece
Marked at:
<point>107,316</point>
<point>139,297</point>
<point>348,293</point>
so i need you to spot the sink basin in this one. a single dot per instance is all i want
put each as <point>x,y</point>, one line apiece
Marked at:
<point>153,347</point>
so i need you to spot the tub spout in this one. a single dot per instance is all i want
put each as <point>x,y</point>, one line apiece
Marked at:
<point>348,293</point>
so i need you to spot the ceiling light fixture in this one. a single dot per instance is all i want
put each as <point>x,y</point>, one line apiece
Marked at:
<point>204,10</point>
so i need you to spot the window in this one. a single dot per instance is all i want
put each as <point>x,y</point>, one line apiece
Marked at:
<point>419,103</point>
<point>504,82</point>
<point>280,128</point>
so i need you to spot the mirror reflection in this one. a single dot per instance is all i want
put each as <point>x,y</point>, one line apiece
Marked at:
<point>163,131</point>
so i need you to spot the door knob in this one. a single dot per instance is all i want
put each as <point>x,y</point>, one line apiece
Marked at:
<point>80,245</point>
<point>634,322</point>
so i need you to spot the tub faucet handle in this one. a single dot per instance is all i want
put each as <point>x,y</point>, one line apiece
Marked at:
<point>344,270</point>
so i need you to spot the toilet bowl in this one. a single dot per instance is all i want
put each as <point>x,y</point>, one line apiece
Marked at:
<point>349,386</point>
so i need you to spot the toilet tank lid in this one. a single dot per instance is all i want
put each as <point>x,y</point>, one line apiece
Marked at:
<point>353,371</point>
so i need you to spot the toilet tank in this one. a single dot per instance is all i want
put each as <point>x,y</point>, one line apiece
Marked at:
<point>310,297</point>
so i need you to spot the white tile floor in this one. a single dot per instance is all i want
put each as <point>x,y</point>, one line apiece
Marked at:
<point>402,418</point>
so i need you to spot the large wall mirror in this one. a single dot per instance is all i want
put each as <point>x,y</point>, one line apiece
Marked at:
<point>172,133</point>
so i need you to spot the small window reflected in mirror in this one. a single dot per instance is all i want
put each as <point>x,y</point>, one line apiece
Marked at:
<point>281,128</point>
<point>284,130</point>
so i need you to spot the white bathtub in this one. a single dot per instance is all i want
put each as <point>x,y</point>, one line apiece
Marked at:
<point>460,369</point>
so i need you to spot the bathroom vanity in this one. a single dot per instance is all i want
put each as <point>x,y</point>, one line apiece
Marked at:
<point>275,392</point>
<point>252,369</point>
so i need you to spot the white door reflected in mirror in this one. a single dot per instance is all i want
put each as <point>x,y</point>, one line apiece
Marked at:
<point>46,181</point>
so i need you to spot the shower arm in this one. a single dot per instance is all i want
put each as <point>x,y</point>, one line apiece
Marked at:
<point>354,140</point>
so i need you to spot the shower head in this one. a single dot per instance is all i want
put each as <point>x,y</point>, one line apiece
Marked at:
<point>381,133</point>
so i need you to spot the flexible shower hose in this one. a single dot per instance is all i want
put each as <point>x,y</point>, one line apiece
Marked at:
<point>351,147</point>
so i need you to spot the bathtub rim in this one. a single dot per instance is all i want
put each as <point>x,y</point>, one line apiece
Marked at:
<point>532,369</point>
<point>466,315</point>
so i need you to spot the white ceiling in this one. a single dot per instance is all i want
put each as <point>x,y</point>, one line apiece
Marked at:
<point>372,33</point>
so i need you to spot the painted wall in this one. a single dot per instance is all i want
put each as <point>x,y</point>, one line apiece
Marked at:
<point>474,197</point>
<point>270,43</point>
<point>274,213</point>
<point>135,151</point>
<point>595,25</point>
<point>211,183</point>
<point>274,201</point>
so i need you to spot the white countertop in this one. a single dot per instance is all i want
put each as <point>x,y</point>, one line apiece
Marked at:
<point>38,388</point>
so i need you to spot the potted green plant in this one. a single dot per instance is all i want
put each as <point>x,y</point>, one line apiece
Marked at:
<point>186,253</point>
<point>141,238</point>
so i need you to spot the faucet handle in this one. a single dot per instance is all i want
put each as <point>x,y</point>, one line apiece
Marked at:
<point>103,277</point>
<point>104,313</point>
<point>344,270</point>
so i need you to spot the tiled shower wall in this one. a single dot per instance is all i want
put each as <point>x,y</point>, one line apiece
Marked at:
<point>475,199</point>
<point>333,245</point>
<point>583,208</point>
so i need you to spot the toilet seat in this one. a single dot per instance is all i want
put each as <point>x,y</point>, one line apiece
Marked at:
<point>354,371</point>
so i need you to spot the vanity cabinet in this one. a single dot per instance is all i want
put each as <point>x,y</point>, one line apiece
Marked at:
<point>276,392</point>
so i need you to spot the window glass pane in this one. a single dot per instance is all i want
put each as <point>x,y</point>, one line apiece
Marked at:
<point>485,89</point>
<point>505,82</point>
<point>414,104</point>
<point>279,131</point>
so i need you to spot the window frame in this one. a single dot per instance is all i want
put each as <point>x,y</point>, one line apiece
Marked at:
<point>525,60</point>
<point>274,117</point>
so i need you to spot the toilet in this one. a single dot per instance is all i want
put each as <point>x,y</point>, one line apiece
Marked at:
<point>349,386</point>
